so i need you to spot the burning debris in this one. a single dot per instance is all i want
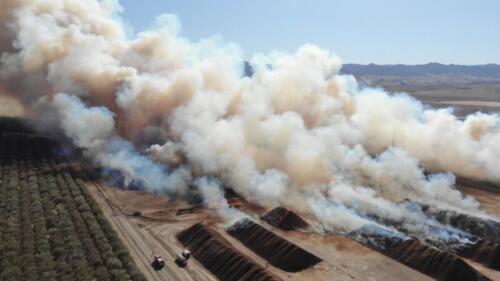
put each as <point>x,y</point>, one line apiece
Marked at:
<point>432,233</point>
<point>273,248</point>
<point>285,219</point>
<point>485,228</point>
<point>377,238</point>
<point>485,252</point>
<point>433,262</point>
<point>415,254</point>
<point>486,247</point>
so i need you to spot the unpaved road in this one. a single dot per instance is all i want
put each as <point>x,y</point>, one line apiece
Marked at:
<point>343,259</point>
<point>142,236</point>
<point>142,243</point>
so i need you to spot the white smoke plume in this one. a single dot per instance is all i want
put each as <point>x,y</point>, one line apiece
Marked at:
<point>213,197</point>
<point>166,111</point>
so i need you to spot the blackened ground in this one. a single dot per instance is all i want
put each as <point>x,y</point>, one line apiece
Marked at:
<point>273,248</point>
<point>284,219</point>
<point>433,262</point>
<point>221,259</point>
<point>482,234</point>
<point>377,238</point>
<point>485,228</point>
<point>428,260</point>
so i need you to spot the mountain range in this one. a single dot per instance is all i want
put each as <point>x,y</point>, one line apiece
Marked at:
<point>402,70</point>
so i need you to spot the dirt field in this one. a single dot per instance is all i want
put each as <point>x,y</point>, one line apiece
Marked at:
<point>465,94</point>
<point>465,107</point>
<point>343,259</point>
<point>139,235</point>
<point>156,230</point>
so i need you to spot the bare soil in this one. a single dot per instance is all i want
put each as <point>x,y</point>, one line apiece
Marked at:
<point>150,223</point>
<point>155,231</point>
<point>140,241</point>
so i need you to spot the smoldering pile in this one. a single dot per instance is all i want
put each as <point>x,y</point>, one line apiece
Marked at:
<point>285,219</point>
<point>429,260</point>
<point>439,251</point>
<point>433,262</point>
<point>485,228</point>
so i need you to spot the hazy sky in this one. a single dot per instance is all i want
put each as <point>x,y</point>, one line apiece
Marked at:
<point>360,31</point>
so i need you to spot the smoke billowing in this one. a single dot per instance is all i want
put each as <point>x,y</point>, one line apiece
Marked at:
<point>171,112</point>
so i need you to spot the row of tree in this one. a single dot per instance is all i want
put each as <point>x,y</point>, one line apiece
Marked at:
<point>50,226</point>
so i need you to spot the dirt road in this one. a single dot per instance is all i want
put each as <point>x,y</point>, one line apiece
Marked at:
<point>156,229</point>
<point>142,243</point>
<point>142,235</point>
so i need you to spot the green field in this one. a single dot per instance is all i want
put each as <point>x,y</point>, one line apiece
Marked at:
<point>50,226</point>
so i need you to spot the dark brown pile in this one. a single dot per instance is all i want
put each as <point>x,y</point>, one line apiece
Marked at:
<point>485,252</point>
<point>433,262</point>
<point>273,248</point>
<point>485,228</point>
<point>485,232</point>
<point>221,259</point>
<point>377,238</point>
<point>284,219</point>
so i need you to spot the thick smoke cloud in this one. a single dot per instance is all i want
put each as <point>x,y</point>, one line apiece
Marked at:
<point>168,112</point>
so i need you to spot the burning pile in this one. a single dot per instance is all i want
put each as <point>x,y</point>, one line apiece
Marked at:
<point>485,252</point>
<point>435,263</point>
<point>377,238</point>
<point>421,257</point>
<point>469,236</point>
<point>485,228</point>
<point>285,219</point>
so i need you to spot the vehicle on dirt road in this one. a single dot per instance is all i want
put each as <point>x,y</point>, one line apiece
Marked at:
<point>182,259</point>
<point>158,262</point>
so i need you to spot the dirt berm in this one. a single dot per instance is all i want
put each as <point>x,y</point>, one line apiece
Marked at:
<point>284,219</point>
<point>219,257</point>
<point>485,252</point>
<point>488,229</point>
<point>433,262</point>
<point>276,250</point>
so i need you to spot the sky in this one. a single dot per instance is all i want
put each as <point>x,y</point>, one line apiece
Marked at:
<point>358,31</point>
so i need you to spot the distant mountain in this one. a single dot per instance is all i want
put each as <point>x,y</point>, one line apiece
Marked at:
<point>402,70</point>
